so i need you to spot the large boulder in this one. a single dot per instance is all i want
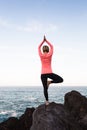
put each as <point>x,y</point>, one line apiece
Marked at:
<point>76,105</point>
<point>53,117</point>
<point>72,115</point>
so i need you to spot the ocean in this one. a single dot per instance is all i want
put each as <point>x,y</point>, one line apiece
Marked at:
<point>15,100</point>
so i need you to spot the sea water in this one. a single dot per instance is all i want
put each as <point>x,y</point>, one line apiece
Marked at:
<point>15,100</point>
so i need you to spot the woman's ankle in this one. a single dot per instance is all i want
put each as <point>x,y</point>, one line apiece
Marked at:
<point>47,103</point>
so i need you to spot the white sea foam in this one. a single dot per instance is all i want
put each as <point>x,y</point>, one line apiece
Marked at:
<point>3,112</point>
<point>14,114</point>
<point>32,98</point>
<point>8,112</point>
<point>29,98</point>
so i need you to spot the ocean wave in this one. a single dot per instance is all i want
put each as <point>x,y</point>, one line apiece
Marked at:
<point>29,98</point>
<point>7,112</point>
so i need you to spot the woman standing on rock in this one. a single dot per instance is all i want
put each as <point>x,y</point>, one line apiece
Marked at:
<point>46,72</point>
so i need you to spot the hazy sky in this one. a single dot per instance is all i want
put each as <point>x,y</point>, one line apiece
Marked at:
<point>23,24</point>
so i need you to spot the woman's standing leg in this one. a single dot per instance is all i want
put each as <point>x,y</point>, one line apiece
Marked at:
<point>44,82</point>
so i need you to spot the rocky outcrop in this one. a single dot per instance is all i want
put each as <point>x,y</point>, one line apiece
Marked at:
<point>76,105</point>
<point>23,123</point>
<point>53,117</point>
<point>72,115</point>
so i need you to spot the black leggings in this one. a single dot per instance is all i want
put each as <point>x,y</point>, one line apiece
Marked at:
<point>55,79</point>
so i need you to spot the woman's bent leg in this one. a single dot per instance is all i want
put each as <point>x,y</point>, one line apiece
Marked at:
<point>55,78</point>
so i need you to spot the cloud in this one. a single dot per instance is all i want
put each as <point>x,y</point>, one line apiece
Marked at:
<point>33,26</point>
<point>37,27</point>
<point>4,23</point>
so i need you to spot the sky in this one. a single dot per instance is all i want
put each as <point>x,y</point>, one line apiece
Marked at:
<point>23,23</point>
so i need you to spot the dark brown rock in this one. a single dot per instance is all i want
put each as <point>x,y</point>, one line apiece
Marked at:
<point>53,117</point>
<point>9,124</point>
<point>23,123</point>
<point>76,104</point>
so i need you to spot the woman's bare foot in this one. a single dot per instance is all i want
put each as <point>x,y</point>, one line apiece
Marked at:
<point>48,83</point>
<point>47,103</point>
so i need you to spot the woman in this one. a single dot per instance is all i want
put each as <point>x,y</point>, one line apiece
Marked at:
<point>46,72</point>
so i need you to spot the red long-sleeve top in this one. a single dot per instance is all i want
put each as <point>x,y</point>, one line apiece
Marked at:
<point>46,58</point>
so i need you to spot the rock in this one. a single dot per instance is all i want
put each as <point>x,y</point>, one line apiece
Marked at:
<point>70,116</point>
<point>76,104</point>
<point>9,124</point>
<point>23,123</point>
<point>53,117</point>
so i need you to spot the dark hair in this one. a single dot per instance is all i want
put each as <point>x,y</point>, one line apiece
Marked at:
<point>45,48</point>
